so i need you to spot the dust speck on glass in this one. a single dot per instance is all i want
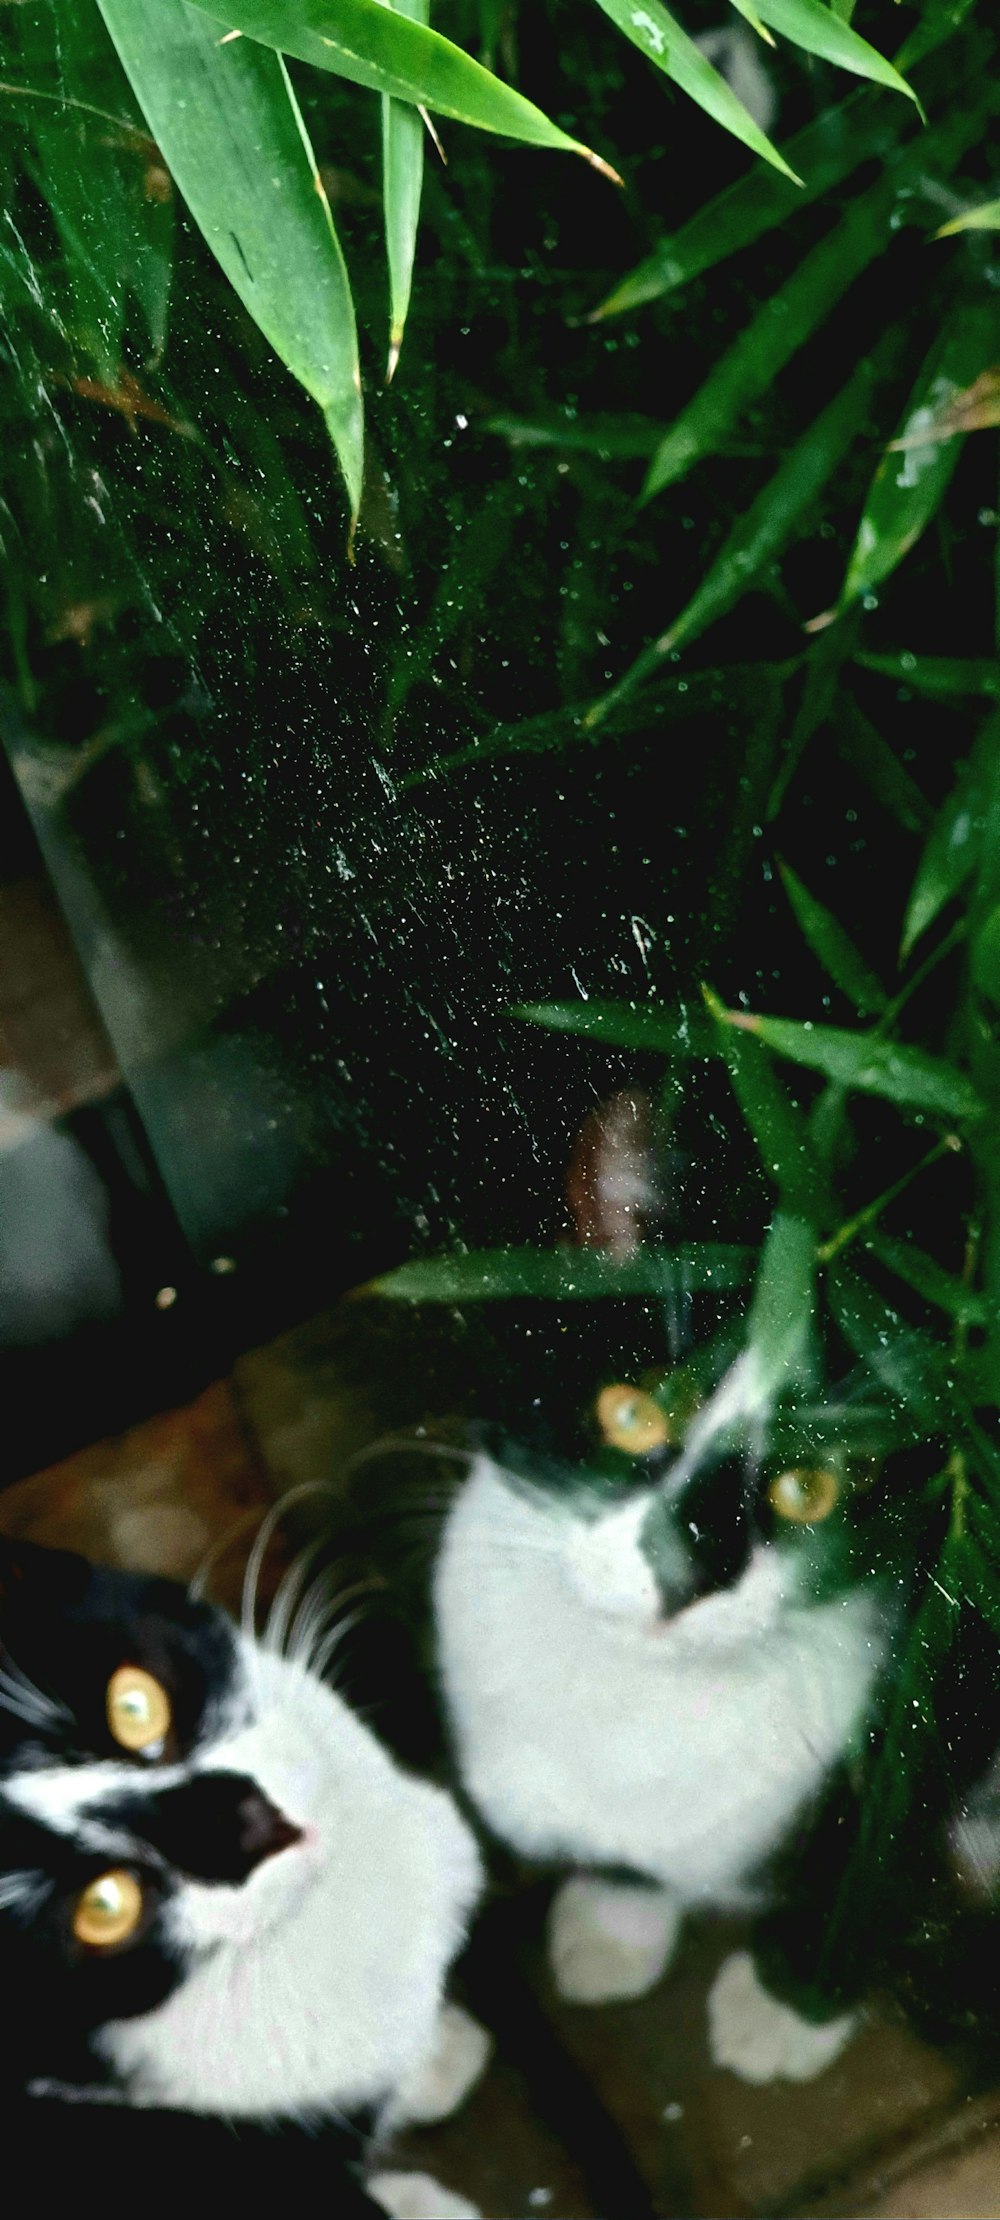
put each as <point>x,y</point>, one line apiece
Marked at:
<point>488,639</point>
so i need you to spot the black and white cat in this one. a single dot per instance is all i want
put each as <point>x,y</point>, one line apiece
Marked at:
<point>645,1675</point>
<point>219,1895</point>
<point>624,1692</point>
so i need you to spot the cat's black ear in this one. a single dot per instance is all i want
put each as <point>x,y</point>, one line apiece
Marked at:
<point>611,1184</point>
<point>24,1564</point>
<point>11,1568</point>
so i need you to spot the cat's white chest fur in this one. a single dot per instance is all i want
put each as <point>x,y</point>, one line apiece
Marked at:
<point>316,1985</point>
<point>607,1736</point>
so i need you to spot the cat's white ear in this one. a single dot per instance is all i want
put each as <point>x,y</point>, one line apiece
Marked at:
<point>611,1185</point>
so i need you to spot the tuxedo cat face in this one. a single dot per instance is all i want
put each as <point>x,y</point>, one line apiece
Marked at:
<point>643,1493</point>
<point>651,1476</point>
<point>217,1891</point>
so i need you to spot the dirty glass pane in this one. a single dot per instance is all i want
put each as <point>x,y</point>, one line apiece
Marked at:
<point>625,730</point>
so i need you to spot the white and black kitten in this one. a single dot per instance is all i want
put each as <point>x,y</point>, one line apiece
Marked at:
<point>219,1895</point>
<point>647,1671</point>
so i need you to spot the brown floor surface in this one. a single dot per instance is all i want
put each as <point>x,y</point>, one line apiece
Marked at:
<point>885,2134</point>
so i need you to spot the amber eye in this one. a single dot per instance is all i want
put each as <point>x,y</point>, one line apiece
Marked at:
<point>109,1910</point>
<point>138,1709</point>
<point>806,1495</point>
<point>632,1420</point>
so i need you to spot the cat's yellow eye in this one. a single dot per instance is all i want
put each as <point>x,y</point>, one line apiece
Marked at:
<point>806,1495</point>
<point>108,1911</point>
<point>138,1709</point>
<point>632,1420</point>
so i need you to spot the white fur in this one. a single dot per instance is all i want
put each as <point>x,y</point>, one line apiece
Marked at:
<point>762,2040</point>
<point>418,2197</point>
<point>317,1982</point>
<point>591,1729</point>
<point>609,1940</point>
<point>444,2078</point>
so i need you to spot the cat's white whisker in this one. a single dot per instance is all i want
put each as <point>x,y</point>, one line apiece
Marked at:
<point>29,1718</point>
<point>404,1445</point>
<point>266,1531</point>
<point>316,1619</point>
<point>224,1542</point>
<point>288,1598</point>
<point>47,1710</point>
<point>320,1658</point>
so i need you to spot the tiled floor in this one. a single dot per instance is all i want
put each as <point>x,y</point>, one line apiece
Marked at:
<point>578,2094</point>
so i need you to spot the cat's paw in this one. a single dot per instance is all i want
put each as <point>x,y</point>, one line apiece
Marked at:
<point>762,2040</point>
<point>608,1940</point>
<point>444,2079</point>
<point>418,2197</point>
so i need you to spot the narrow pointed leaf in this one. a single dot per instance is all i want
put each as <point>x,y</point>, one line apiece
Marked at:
<point>823,154</point>
<point>769,522</point>
<point>984,218</point>
<point>909,1365</point>
<point>779,1130</point>
<point>940,676</point>
<point>910,482</point>
<point>781,1312</point>
<point>984,959</point>
<point>800,306</point>
<point>371,44</point>
<point>811,25</point>
<point>232,135</point>
<point>921,1272</point>
<point>622,1025</point>
<point>780,327</point>
<point>833,948</point>
<point>402,180</point>
<point>116,236</point>
<point>938,22</point>
<point>951,853</point>
<point>657,35</point>
<point>478,549</point>
<point>870,1063</point>
<point>863,747</point>
<point>566,1275</point>
<point>609,438</point>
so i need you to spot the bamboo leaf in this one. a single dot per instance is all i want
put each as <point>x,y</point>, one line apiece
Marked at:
<point>402,180</point>
<point>575,725</point>
<point>951,853</point>
<point>781,1313</point>
<point>477,551</point>
<point>984,960</point>
<point>764,528</point>
<point>939,20</point>
<point>863,747</point>
<point>833,948</point>
<point>370,44</point>
<point>800,306</point>
<point>779,1130</point>
<point>811,25</point>
<point>566,1275</point>
<point>624,1025</point>
<point>984,218</point>
<point>940,676</point>
<point>908,486</point>
<point>909,1365</point>
<point>920,1271</point>
<point>868,1062</point>
<point>781,326</point>
<point>232,135</point>
<point>654,31</point>
<point>823,154</point>
<point>609,438</point>
<point>115,233</point>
